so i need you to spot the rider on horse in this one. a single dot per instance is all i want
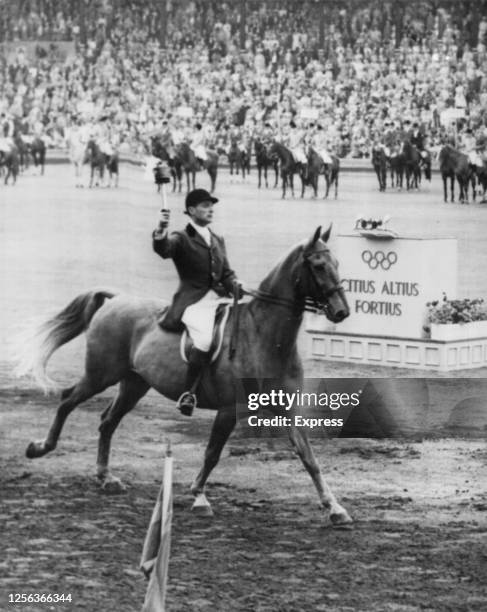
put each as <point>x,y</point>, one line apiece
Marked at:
<point>468,145</point>
<point>267,135</point>
<point>198,144</point>
<point>205,276</point>
<point>166,139</point>
<point>295,142</point>
<point>320,144</point>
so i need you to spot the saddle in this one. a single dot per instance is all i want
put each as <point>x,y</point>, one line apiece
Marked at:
<point>221,318</point>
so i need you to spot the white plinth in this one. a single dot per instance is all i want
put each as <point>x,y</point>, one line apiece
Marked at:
<point>420,354</point>
<point>389,282</point>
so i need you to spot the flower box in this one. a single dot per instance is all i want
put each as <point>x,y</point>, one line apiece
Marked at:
<point>458,331</point>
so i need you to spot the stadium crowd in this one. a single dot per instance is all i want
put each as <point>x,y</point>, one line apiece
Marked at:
<point>369,64</point>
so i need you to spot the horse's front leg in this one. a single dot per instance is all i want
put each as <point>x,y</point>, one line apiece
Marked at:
<point>338,514</point>
<point>223,425</point>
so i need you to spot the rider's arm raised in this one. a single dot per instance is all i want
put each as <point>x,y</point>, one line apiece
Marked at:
<point>164,244</point>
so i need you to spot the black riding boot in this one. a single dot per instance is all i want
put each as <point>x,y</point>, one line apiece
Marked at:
<point>197,361</point>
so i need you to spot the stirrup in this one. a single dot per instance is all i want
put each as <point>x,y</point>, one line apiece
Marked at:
<point>186,403</point>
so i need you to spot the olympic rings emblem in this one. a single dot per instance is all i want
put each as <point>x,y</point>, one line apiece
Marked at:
<point>379,258</point>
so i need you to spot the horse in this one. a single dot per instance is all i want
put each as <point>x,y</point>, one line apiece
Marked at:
<point>481,173</point>
<point>379,162</point>
<point>238,159</point>
<point>125,345</point>
<point>454,164</point>
<point>97,160</point>
<point>23,151</point>
<point>157,149</point>
<point>37,150</point>
<point>412,164</point>
<point>111,164</point>
<point>426,163</point>
<point>190,165</point>
<point>315,167</point>
<point>263,161</point>
<point>288,166</point>
<point>397,164</point>
<point>331,172</point>
<point>10,161</point>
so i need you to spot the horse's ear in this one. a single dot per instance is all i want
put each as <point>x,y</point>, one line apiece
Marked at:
<point>325,236</point>
<point>314,239</point>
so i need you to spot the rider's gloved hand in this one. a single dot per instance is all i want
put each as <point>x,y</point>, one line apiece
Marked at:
<point>238,290</point>
<point>164,218</point>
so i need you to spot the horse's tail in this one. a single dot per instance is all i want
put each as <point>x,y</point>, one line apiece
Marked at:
<point>37,343</point>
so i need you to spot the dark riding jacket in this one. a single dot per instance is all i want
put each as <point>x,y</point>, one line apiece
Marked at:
<point>200,267</point>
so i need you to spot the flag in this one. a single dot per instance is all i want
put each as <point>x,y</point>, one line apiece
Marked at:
<point>155,554</point>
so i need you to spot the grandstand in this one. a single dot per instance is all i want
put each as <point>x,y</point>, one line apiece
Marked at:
<point>356,63</point>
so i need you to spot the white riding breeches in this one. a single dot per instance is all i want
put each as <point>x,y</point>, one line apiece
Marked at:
<point>299,155</point>
<point>325,156</point>
<point>475,159</point>
<point>199,319</point>
<point>106,147</point>
<point>6,145</point>
<point>200,152</point>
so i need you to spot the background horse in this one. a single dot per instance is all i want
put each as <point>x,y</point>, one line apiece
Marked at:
<point>397,164</point>
<point>159,150</point>
<point>23,151</point>
<point>379,162</point>
<point>37,150</point>
<point>412,162</point>
<point>96,158</point>
<point>454,164</point>
<point>112,163</point>
<point>425,163</point>
<point>331,172</point>
<point>238,159</point>
<point>263,161</point>
<point>314,168</point>
<point>288,166</point>
<point>481,172</point>
<point>10,161</point>
<point>125,345</point>
<point>190,165</point>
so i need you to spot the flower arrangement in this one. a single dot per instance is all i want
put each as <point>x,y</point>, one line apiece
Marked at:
<point>456,311</point>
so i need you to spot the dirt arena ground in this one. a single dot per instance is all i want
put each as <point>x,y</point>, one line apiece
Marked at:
<point>419,541</point>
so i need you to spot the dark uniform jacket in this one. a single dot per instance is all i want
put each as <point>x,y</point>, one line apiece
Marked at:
<point>417,139</point>
<point>201,268</point>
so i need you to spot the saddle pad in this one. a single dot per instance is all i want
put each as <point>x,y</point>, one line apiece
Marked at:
<point>221,318</point>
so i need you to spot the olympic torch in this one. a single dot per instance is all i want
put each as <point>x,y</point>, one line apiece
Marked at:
<point>162,176</point>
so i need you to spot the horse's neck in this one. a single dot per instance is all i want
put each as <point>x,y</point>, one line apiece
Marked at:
<point>277,323</point>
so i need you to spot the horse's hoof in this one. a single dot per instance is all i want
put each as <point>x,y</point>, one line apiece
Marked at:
<point>35,450</point>
<point>341,520</point>
<point>201,506</point>
<point>202,510</point>
<point>113,486</point>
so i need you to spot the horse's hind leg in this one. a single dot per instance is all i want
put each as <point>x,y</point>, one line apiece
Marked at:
<point>71,398</point>
<point>223,425</point>
<point>132,388</point>
<point>338,514</point>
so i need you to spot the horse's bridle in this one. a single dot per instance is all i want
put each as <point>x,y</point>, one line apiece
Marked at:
<point>303,304</point>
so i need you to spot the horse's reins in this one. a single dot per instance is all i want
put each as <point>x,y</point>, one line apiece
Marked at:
<point>306,304</point>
